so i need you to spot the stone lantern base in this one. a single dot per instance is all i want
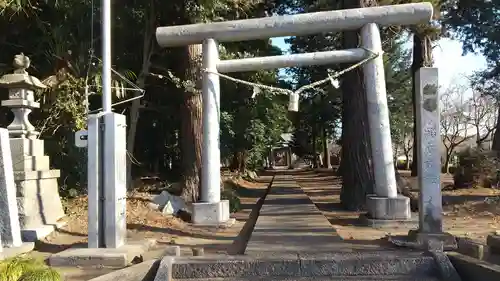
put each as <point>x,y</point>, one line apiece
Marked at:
<point>40,207</point>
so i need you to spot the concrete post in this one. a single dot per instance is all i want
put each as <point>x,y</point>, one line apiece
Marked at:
<point>211,210</point>
<point>210,182</point>
<point>115,179</point>
<point>385,203</point>
<point>94,183</point>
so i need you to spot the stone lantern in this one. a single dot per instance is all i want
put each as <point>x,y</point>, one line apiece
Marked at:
<point>21,100</point>
<point>40,208</point>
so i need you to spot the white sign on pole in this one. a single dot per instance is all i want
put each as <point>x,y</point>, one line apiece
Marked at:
<point>81,138</point>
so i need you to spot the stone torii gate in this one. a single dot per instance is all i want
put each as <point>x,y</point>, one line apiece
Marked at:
<point>386,203</point>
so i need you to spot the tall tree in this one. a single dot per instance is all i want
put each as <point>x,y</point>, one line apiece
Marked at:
<point>474,23</point>
<point>423,36</point>
<point>357,173</point>
<point>194,11</point>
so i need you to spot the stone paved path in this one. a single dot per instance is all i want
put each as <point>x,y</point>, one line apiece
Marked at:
<point>289,222</point>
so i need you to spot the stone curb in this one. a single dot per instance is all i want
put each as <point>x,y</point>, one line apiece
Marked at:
<point>472,249</point>
<point>144,271</point>
<point>473,269</point>
<point>346,264</point>
<point>493,242</point>
<point>446,269</point>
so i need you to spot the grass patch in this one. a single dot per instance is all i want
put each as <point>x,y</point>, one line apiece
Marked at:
<point>27,269</point>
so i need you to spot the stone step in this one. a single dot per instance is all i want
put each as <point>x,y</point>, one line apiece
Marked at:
<point>26,147</point>
<point>31,163</point>
<point>324,278</point>
<point>332,265</point>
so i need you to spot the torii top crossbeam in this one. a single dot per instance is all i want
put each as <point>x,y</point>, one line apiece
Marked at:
<point>294,25</point>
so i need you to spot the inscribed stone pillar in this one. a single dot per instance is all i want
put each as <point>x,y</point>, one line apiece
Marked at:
<point>10,231</point>
<point>430,230</point>
<point>428,149</point>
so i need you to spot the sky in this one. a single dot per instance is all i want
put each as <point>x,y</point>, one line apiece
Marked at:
<point>448,59</point>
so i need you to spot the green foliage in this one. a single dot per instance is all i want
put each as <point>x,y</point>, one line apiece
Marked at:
<point>397,62</point>
<point>47,31</point>
<point>476,168</point>
<point>251,125</point>
<point>27,269</point>
<point>474,23</point>
<point>234,200</point>
<point>232,192</point>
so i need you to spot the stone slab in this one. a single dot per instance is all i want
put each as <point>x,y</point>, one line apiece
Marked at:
<point>493,241</point>
<point>425,241</point>
<point>472,249</point>
<point>143,271</point>
<point>448,241</point>
<point>40,232</point>
<point>210,214</point>
<point>337,264</point>
<point>473,269</point>
<point>324,278</point>
<point>446,269</point>
<point>26,147</point>
<point>36,175</point>
<point>11,252</point>
<point>32,163</point>
<point>384,208</point>
<point>119,257</point>
<point>412,222</point>
<point>171,251</point>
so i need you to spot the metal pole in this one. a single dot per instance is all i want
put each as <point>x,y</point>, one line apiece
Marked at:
<point>106,56</point>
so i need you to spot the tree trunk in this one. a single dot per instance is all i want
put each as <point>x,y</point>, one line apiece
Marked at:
<point>326,152</point>
<point>147,50</point>
<point>357,174</point>
<point>447,161</point>
<point>238,164</point>
<point>191,128</point>
<point>496,137</point>
<point>422,56</point>
<point>407,164</point>
<point>314,155</point>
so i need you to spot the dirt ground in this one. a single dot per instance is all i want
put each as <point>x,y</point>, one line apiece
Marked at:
<point>145,223</point>
<point>467,212</point>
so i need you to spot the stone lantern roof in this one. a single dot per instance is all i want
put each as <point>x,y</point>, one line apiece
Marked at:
<point>21,100</point>
<point>20,78</point>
